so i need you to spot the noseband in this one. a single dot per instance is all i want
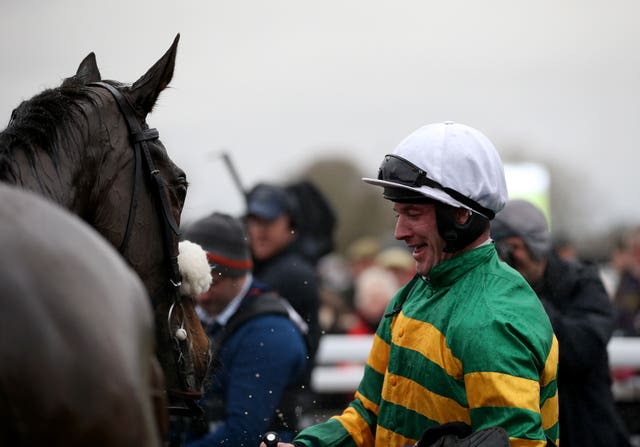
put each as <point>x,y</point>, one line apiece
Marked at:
<point>139,137</point>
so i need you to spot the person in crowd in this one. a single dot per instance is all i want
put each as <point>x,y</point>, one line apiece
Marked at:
<point>258,343</point>
<point>466,343</point>
<point>612,268</point>
<point>564,247</point>
<point>272,229</point>
<point>399,261</point>
<point>626,298</point>
<point>374,288</point>
<point>581,314</point>
<point>625,262</point>
<point>336,315</point>
<point>361,253</point>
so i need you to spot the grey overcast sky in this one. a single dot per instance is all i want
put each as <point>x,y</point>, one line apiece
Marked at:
<point>281,83</point>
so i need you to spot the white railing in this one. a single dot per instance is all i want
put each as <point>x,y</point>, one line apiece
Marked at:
<point>624,352</point>
<point>340,360</point>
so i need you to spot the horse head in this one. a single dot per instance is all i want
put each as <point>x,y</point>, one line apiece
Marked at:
<point>87,146</point>
<point>138,169</point>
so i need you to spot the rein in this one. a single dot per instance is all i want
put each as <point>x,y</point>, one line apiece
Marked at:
<point>139,137</point>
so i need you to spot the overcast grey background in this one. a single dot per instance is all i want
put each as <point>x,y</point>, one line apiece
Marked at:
<point>282,83</point>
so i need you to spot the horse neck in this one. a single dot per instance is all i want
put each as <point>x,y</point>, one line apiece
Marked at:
<point>54,177</point>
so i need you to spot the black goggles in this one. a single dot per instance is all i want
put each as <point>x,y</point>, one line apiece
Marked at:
<point>399,170</point>
<point>396,169</point>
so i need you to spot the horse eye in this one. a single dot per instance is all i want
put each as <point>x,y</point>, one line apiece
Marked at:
<point>181,188</point>
<point>181,191</point>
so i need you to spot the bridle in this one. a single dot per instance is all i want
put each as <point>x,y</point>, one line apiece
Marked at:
<point>139,137</point>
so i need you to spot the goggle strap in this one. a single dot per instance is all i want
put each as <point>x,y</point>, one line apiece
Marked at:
<point>486,212</point>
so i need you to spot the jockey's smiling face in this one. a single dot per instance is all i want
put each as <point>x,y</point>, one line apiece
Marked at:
<point>416,226</point>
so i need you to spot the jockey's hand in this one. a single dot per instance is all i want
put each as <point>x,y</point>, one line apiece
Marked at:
<point>271,439</point>
<point>280,444</point>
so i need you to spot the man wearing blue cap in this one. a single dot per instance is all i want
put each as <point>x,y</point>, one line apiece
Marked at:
<point>272,229</point>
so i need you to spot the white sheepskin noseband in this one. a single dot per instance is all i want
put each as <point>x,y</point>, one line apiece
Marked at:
<point>194,268</point>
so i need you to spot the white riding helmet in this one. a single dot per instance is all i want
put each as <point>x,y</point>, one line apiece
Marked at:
<point>448,162</point>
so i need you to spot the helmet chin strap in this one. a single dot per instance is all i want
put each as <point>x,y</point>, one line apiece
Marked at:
<point>457,236</point>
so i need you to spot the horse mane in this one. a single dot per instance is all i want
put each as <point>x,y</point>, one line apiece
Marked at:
<point>42,123</point>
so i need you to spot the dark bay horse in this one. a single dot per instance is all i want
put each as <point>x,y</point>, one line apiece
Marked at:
<point>86,146</point>
<point>76,333</point>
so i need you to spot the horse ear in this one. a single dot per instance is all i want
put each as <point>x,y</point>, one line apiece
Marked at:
<point>88,70</point>
<point>144,92</point>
